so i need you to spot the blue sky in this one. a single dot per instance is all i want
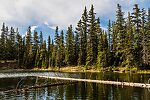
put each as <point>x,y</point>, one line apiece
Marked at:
<point>62,13</point>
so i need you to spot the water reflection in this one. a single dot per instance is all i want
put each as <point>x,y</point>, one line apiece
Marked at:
<point>86,91</point>
<point>78,91</point>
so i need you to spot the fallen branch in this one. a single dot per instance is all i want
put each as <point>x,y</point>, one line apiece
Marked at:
<point>141,85</point>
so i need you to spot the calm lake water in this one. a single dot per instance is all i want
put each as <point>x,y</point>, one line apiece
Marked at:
<point>75,91</point>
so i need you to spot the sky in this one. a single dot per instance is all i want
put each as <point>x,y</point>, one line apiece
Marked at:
<point>62,13</point>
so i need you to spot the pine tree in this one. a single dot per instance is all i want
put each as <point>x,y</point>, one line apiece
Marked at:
<point>83,38</point>
<point>136,20</point>
<point>114,38</point>
<point>102,58</point>
<point>39,57</point>
<point>110,44</point>
<point>49,52</point>
<point>144,38</point>
<point>20,49</point>
<point>44,55</point>
<point>121,36</point>
<point>92,39</point>
<point>29,53</point>
<point>61,49</point>
<point>79,31</point>
<point>76,49</point>
<point>41,39</point>
<point>56,47</point>
<point>7,46</point>
<point>11,44</point>
<point>3,43</point>
<point>130,43</point>
<point>35,48</point>
<point>53,54</point>
<point>82,30</point>
<point>69,55</point>
<point>109,35</point>
<point>24,49</point>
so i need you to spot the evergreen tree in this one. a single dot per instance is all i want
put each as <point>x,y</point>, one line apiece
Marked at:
<point>28,53</point>
<point>109,35</point>
<point>83,38</point>
<point>144,38</point>
<point>41,39</point>
<point>24,49</point>
<point>53,54</point>
<point>110,49</point>
<point>49,53</point>
<point>57,47</point>
<point>35,48</point>
<point>56,36</point>
<point>7,42</point>
<point>69,55</point>
<point>114,38</point>
<point>102,58</point>
<point>3,43</point>
<point>11,44</point>
<point>82,31</point>
<point>136,20</point>
<point>79,30</point>
<point>61,50</point>
<point>44,55</point>
<point>39,57</point>
<point>20,49</point>
<point>130,43</point>
<point>76,49</point>
<point>121,35</point>
<point>92,40</point>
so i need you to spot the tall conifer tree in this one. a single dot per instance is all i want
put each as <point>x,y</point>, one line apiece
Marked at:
<point>69,56</point>
<point>92,39</point>
<point>121,35</point>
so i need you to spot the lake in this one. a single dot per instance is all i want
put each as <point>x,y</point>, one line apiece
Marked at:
<point>74,91</point>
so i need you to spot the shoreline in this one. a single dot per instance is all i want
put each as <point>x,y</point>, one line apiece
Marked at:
<point>79,69</point>
<point>76,69</point>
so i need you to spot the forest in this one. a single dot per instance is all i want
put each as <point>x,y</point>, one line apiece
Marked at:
<point>125,43</point>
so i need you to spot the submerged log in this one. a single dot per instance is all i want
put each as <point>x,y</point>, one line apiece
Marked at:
<point>39,86</point>
<point>141,85</point>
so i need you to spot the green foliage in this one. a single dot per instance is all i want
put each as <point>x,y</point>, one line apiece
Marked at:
<point>61,50</point>
<point>69,53</point>
<point>49,52</point>
<point>103,51</point>
<point>130,43</point>
<point>121,36</point>
<point>92,39</point>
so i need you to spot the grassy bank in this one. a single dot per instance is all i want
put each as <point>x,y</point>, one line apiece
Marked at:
<point>12,67</point>
<point>70,69</point>
<point>94,69</point>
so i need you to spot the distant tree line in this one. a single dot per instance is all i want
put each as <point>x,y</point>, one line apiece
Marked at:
<point>125,43</point>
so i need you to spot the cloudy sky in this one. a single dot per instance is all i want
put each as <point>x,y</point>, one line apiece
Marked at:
<point>22,13</point>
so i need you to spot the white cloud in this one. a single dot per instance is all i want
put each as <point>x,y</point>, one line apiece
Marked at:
<point>50,26</point>
<point>33,28</point>
<point>60,13</point>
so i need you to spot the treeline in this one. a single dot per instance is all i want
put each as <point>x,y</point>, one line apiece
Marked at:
<point>125,43</point>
